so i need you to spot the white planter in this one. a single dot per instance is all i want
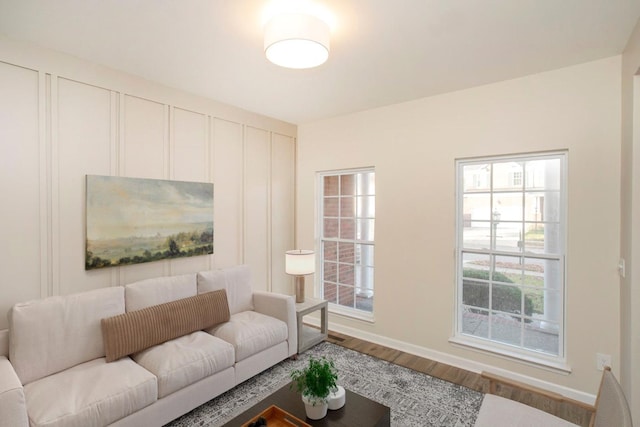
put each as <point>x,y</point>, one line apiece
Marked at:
<point>337,398</point>
<point>317,411</point>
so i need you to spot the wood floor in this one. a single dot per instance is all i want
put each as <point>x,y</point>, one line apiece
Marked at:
<point>570,411</point>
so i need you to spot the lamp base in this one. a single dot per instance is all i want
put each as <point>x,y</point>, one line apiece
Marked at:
<point>299,287</point>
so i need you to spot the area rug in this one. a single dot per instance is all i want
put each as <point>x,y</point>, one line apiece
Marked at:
<point>415,399</point>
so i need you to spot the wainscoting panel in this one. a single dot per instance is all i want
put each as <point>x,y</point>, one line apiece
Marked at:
<point>189,146</point>
<point>20,260</point>
<point>256,196</point>
<point>145,140</point>
<point>145,154</point>
<point>189,161</point>
<point>282,209</point>
<point>228,202</point>
<point>82,146</point>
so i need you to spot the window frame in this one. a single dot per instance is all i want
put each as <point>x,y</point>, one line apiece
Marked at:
<point>519,353</point>
<point>351,312</point>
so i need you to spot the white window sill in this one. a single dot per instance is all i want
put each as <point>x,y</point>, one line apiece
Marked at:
<point>351,313</point>
<point>505,352</point>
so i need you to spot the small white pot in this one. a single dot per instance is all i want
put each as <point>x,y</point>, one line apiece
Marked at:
<point>337,398</point>
<point>315,408</point>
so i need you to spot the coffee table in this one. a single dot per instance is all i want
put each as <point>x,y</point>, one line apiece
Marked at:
<point>357,412</point>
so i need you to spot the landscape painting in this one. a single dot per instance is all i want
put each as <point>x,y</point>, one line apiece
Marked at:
<point>133,220</point>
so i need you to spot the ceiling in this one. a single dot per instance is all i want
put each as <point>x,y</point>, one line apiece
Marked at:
<point>382,51</point>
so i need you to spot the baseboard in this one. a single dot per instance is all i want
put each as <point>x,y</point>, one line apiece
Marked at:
<point>458,362</point>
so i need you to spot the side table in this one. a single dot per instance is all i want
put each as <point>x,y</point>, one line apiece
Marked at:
<point>308,336</point>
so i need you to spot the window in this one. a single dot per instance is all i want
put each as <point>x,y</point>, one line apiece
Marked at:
<point>347,221</point>
<point>511,256</point>
<point>516,178</point>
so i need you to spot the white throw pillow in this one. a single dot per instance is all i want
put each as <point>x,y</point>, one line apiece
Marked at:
<point>237,282</point>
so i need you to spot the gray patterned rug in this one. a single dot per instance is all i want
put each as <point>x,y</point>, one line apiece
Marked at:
<point>415,399</point>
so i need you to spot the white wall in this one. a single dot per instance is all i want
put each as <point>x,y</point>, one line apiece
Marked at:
<point>413,147</point>
<point>62,118</point>
<point>630,236</point>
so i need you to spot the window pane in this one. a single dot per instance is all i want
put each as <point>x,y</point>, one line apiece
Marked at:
<point>330,185</point>
<point>364,303</point>
<point>331,228</point>
<point>347,185</point>
<point>507,207</point>
<point>477,237</point>
<point>476,207</point>
<point>365,229</point>
<point>475,266</point>
<point>477,177</point>
<point>507,269</point>
<point>366,183</point>
<point>347,252</point>
<point>331,206</point>
<point>366,207</point>
<point>346,296</point>
<point>330,271</point>
<point>475,293</point>
<point>543,174</point>
<point>507,237</point>
<point>533,206</point>
<point>544,306</point>
<point>542,206</point>
<point>475,322</point>
<point>365,255</point>
<point>534,237</point>
<point>506,329</point>
<point>330,251</point>
<point>545,340</point>
<point>364,280</point>
<point>506,298</point>
<point>330,292</point>
<point>505,176</point>
<point>347,207</point>
<point>347,229</point>
<point>346,274</point>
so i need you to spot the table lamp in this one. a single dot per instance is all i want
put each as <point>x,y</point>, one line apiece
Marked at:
<point>298,263</point>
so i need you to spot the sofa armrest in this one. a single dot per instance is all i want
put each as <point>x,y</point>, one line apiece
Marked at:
<point>281,307</point>
<point>13,405</point>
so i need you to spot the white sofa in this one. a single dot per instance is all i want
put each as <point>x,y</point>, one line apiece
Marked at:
<point>57,373</point>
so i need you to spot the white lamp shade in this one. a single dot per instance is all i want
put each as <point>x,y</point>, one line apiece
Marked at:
<point>299,262</point>
<point>296,40</point>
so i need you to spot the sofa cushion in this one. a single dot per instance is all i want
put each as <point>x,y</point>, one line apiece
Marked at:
<point>185,360</point>
<point>64,328</point>
<point>145,293</point>
<point>95,393</point>
<point>250,332</point>
<point>13,407</point>
<point>135,331</point>
<point>236,280</point>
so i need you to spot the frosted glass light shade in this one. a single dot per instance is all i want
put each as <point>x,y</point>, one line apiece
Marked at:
<point>296,40</point>
<point>299,262</point>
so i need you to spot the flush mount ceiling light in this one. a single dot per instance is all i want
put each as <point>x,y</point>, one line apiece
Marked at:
<point>296,40</point>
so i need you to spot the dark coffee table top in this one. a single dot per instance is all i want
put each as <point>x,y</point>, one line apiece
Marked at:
<point>358,411</point>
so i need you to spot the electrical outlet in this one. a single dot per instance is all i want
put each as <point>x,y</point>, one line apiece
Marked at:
<point>602,360</point>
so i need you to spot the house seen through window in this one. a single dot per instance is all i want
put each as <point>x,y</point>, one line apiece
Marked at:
<point>511,255</point>
<point>347,225</point>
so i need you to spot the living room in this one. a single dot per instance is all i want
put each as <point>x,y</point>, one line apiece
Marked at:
<point>64,117</point>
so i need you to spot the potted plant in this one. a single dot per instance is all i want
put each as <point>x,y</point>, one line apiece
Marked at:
<point>316,382</point>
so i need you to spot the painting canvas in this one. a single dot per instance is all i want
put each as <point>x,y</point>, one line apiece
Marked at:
<point>133,220</point>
